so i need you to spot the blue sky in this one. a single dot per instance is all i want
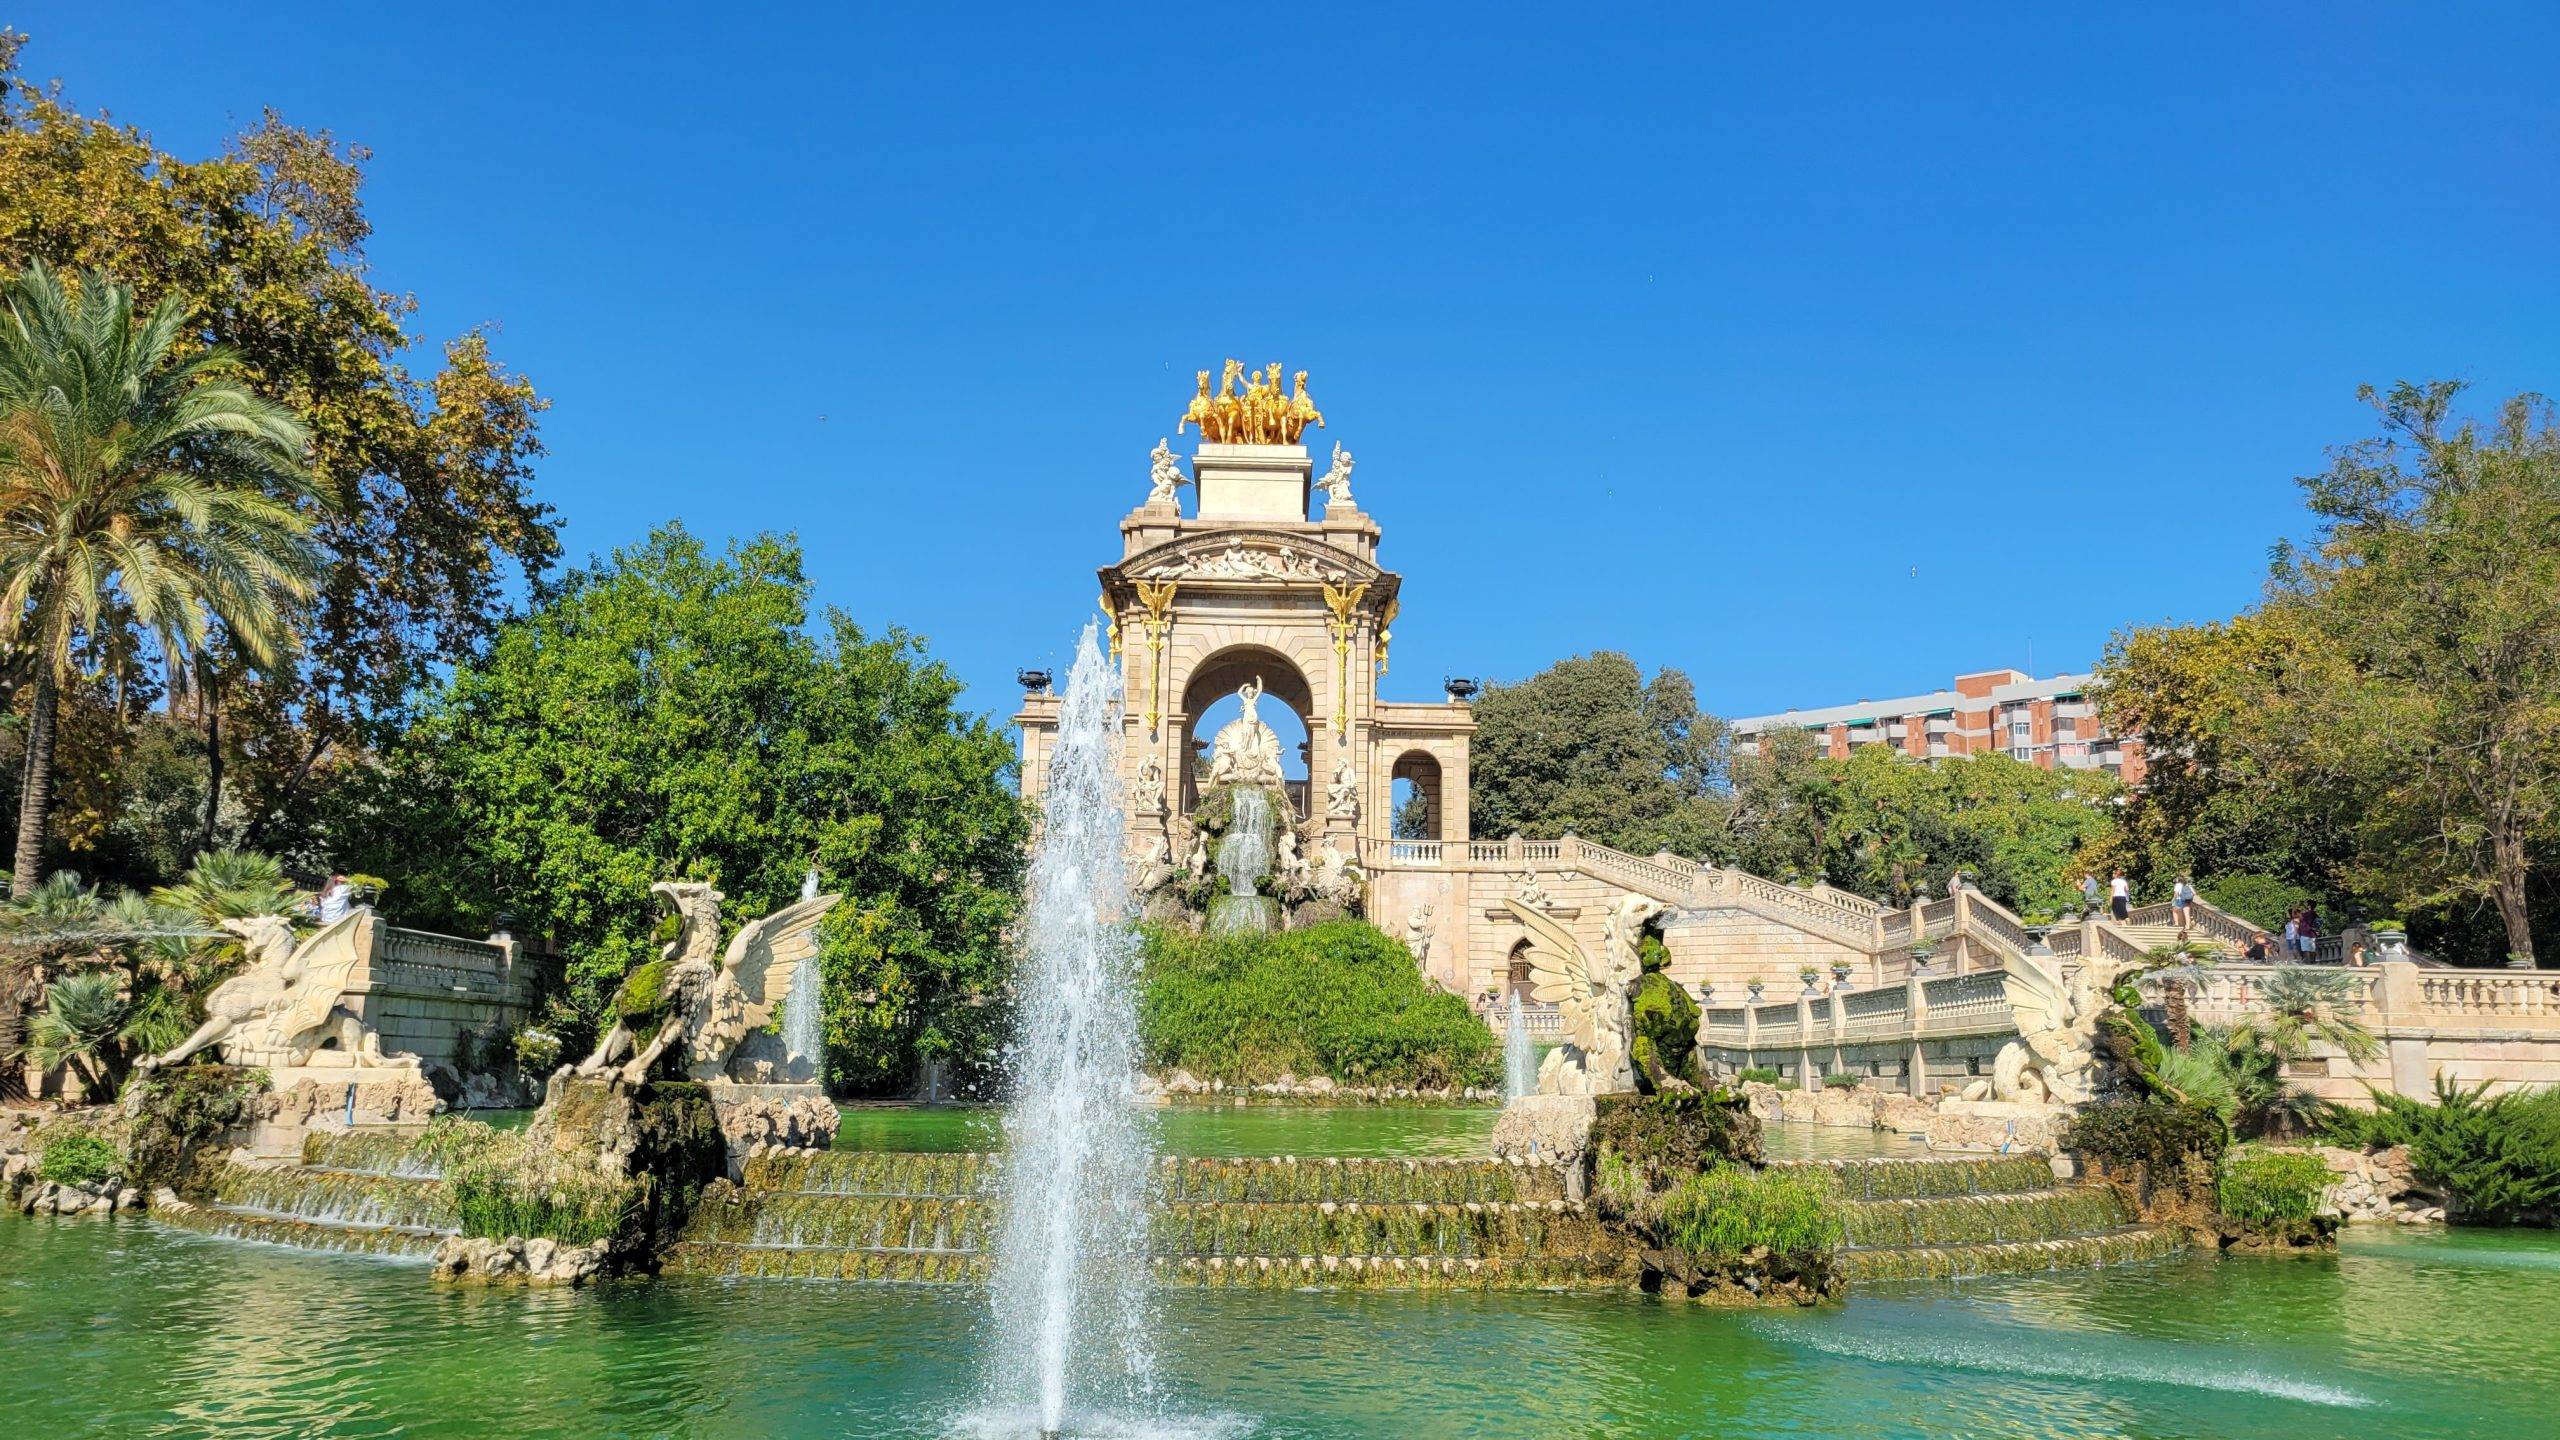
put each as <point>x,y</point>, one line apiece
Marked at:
<point>1822,354</point>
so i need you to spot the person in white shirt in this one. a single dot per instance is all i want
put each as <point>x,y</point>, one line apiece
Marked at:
<point>2182,904</point>
<point>2120,896</point>
<point>335,897</point>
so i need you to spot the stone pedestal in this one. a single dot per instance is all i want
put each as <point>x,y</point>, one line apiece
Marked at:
<point>798,1117</point>
<point>338,1099</point>
<point>1252,482</point>
<point>1545,1130</point>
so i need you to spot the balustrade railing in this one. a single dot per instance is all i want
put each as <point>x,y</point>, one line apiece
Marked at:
<point>2518,993</point>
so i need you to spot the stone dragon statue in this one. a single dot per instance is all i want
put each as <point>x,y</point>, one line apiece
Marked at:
<point>283,1011</point>
<point>686,1003</point>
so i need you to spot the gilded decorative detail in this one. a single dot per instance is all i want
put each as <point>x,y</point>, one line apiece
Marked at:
<point>1267,412</point>
<point>1386,617</point>
<point>1342,602</point>
<point>1159,602</point>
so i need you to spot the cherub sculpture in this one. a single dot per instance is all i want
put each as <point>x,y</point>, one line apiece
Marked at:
<point>685,1002</point>
<point>1164,477</point>
<point>283,1009</point>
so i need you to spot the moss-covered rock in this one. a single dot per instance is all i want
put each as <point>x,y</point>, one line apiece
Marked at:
<point>182,1122</point>
<point>1666,1031</point>
<point>1664,1139</point>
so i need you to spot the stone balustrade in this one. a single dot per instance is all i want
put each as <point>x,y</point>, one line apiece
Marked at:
<point>2470,1026</point>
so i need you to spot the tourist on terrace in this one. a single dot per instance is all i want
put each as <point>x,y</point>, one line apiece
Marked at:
<point>2089,891</point>
<point>2182,905</point>
<point>2306,937</point>
<point>2120,896</point>
<point>2255,952</point>
<point>334,899</point>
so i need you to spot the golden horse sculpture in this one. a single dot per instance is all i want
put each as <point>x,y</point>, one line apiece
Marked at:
<point>1266,413</point>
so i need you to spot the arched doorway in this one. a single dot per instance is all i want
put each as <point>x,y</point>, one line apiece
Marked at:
<point>1516,980</point>
<point>1209,703</point>
<point>1415,805</point>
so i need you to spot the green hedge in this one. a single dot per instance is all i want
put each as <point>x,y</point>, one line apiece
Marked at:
<point>2267,1189</point>
<point>2496,1158</point>
<point>1341,999</point>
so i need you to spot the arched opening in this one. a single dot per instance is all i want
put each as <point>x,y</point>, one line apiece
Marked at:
<point>1515,980</point>
<point>1413,799</point>
<point>1209,699</point>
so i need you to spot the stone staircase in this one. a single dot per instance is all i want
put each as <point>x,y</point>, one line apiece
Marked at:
<point>1278,1222</point>
<point>368,1194</point>
<point>1945,1219</point>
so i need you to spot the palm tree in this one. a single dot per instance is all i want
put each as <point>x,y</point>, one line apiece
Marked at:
<point>137,485</point>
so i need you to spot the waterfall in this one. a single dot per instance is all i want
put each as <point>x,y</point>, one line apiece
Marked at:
<point>1519,1057</point>
<point>1245,853</point>
<point>802,1035</point>
<point>1069,1284</point>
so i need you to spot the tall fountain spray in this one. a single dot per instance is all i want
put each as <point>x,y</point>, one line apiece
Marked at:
<point>1069,1287</point>
<point>1519,1057</point>
<point>803,1037</point>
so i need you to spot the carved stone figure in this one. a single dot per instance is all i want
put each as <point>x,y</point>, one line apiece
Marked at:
<point>2054,1058</point>
<point>1246,751</point>
<point>1333,877</point>
<point>1342,797</point>
<point>1153,869</point>
<point>1288,864</point>
<point>693,1003</point>
<point>283,1011</point>
<point>1164,476</point>
<point>1238,562</point>
<point>1530,892</point>
<point>1336,483</point>
<point>1148,797</point>
<point>1198,860</point>
<point>1417,931</point>
<point>1595,995</point>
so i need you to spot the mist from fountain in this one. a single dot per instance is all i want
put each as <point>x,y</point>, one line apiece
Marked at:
<point>1519,1057</point>
<point>1069,1285</point>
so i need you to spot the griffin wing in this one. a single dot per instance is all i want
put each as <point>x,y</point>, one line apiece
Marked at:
<point>1559,973</point>
<point>766,951</point>
<point>328,960</point>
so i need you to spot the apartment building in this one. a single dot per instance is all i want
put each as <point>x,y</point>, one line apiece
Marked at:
<point>2048,722</point>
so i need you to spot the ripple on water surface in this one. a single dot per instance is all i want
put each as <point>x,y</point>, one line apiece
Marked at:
<point>128,1328</point>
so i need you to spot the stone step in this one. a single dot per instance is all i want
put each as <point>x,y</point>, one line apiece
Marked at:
<point>2122,1246</point>
<point>938,1225</point>
<point>409,1242</point>
<point>1252,1179</point>
<point>1917,1178</point>
<point>1294,1272</point>
<point>1986,1219</point>
<point>336,1197</point>
<point>378,1152</point>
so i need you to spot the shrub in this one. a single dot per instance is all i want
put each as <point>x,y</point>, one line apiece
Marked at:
<point>1668,1138</point>
<point>2202,1076</point>
<point>2123,1133</point>
<point>2259,899</point>
<point>1840,1081</point>
<point>180,1114</point>
<point>537,1051</point>
<point>2268,1189</point>
<point>1727,1213</point>
<point>1757,1075</point>
<point>81,1157</point>
<point>1341,999</point>
<point>506,1187</point>
<point>2496,1158</point>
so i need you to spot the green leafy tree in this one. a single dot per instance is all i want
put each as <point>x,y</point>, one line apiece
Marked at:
<point>421,507</point>
<point>1588,745</point>
<point>669,713</point>
<point>140,487</point>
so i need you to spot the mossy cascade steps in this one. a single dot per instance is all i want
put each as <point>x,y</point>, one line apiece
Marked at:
<point>1278,1222</point>
<point>1944,1219</point>
<point>361,1194</point>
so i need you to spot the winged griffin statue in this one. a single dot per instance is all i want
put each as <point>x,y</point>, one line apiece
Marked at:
<point>1594,994</point>
<point>283,1011</point>
<point>685,1002</point>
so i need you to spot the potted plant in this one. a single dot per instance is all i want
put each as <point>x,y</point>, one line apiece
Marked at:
<point>1839,972</point>
<point>1706,991</point>
<point>1755,988</point>
<point>2391,937</point>
<point>1808,975</point>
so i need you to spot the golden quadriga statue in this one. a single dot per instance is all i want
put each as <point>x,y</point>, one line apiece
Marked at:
<point>1265,413</point>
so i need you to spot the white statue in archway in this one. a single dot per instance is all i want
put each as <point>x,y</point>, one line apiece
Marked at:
<point>1342,797</point>
<point>1246,751</point>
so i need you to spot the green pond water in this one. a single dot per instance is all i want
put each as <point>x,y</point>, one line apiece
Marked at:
<point>1349,1131</point>
<point>123,1328</point>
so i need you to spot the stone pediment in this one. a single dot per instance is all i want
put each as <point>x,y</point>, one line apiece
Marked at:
<point>1249,557</point>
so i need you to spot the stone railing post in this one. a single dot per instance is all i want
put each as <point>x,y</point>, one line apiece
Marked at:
<point>1916,1002</point>
<point>2401,1026</point>
<point>1806,1079</point>
<point>1750,1031</point>
<point>1516,848</point>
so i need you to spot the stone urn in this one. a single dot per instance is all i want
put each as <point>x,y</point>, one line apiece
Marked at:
<point>1755,987</point>
<point>2394,944</point>
<point>1840,976</point>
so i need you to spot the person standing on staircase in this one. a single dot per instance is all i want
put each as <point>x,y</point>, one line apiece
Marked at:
<point>2182,905</point>
<point>2120,897</point>
<point>2089,891</point>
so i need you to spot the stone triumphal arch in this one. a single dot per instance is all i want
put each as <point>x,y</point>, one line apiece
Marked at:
<point>1271,578</point>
